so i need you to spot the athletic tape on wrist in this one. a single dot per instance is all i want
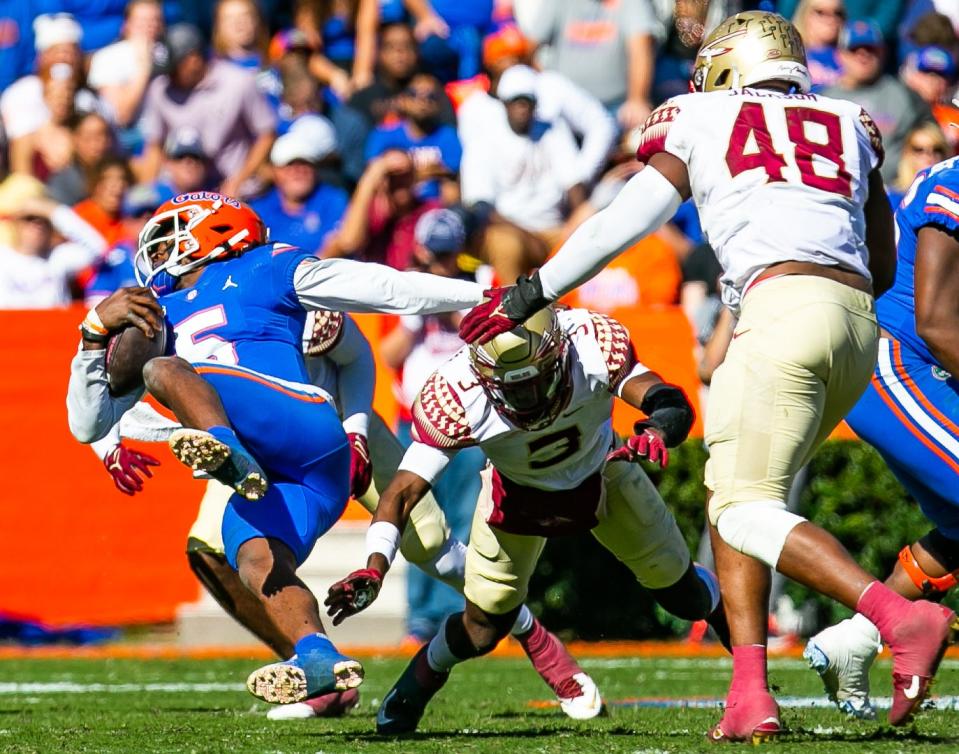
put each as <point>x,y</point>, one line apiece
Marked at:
<point>93,322</point>
<point>384,538</point>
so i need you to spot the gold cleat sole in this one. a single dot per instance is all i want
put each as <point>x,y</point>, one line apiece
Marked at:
<point>201,451</point>
<point>197,449</point>
<point>282,683</point>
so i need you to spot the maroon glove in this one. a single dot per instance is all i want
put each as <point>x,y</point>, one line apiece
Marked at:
<point>487,320</point>
<point>354,593</point>
<point>361,467</point>
<point>123,463</point>
<point>647,443</point>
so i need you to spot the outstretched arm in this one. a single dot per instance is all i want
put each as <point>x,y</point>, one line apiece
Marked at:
<point>648,200</point>
<point>345,285</point>
<point>358,590</point>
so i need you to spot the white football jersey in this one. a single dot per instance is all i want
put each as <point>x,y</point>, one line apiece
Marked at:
<point>776,177</point>
<point>453,411</point>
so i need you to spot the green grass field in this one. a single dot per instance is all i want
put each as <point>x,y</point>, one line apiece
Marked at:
<point>133,706</point>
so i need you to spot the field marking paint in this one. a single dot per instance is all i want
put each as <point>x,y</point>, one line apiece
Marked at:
<point>69,687</point>
<point>791,702</point>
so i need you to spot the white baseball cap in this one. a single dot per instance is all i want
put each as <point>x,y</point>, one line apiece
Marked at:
<point>517,81</point>
<point>310,138</point>
<point>55,29</point>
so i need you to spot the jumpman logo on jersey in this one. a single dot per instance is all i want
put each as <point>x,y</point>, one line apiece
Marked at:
<point>229,283</point>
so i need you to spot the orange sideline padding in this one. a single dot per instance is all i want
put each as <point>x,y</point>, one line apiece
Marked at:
<point>75,550</point>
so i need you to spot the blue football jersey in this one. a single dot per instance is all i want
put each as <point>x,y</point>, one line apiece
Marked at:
<point>933,199</point>
<point>243,312</point>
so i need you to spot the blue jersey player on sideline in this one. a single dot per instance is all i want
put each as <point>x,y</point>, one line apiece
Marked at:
<point>910,414</point>
<point>236,307</point>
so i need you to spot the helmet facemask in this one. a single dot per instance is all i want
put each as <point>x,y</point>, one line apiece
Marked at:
<point>530,391</point>
<point>172,232</point>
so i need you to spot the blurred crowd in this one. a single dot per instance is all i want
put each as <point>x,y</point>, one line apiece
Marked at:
<point>466,138</point>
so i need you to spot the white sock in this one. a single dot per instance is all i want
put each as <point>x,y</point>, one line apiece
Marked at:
<point>866,627</point>
<point>524,622</point>
<point>438,655</point>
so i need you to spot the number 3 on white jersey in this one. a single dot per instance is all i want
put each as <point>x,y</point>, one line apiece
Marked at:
<point>196,343</point>
<point>812,151</point>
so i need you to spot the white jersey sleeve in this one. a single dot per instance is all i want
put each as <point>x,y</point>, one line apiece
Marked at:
<point>91,410</point>
<point>346,285</point>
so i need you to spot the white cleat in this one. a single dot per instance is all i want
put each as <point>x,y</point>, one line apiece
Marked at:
<point>587,704</point>
<point>842,655</point>
<point>295,711</point>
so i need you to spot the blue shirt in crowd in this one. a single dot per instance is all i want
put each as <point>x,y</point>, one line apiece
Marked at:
<point>440,146</point>
<point>308,228</point>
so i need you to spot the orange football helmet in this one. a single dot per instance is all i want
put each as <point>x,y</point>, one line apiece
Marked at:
<point>195,229</point>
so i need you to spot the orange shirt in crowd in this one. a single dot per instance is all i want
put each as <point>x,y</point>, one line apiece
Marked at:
<point>647,275</point>
<point>111,228</point>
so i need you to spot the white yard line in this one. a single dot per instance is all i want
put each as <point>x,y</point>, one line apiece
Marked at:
<point>69,687</point>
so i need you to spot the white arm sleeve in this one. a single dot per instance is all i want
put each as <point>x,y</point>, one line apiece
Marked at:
<point>646,202</point>
<point>588,118</point>
<point>91,410</point>
<point>356,377</point>
<point>426,462</point>
<point>74,228</point>
<point>349,286</point>
<point>106,443</point>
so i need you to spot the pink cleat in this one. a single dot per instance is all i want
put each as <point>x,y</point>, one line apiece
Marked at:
<point>577,693</point>
<point>335,704</point>
<point>917,642</point>
<point>750,716</point>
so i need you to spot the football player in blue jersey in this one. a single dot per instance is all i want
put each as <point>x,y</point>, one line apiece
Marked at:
<point>236,305</point>
<point>910,414</point>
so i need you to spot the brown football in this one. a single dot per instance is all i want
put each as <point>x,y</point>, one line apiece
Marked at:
<point>127,352</point>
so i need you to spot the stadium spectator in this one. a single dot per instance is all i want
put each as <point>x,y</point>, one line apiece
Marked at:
<point>219,100</point>
<point>22,105</point>
<point>893,106</point>
<point>109,182</point>
<point>121,72</point>
<point>680,27</point>
<point>186,166</point>
<point>49,148</point>
<point>17,52</point>
<point>397,61</point>
<point>925,145</point>
<point>524,169</point>
<point>931,73</point>
<point>819,23</point>
<point>884,13</point>
<point>450,33</point>
<point>433,145</point>
<point>381,217</point>
<point>35,269</point>
<point>92,141</point>
<point>343,34</point>
<point>301,209</point>
<point>557,98</point>
<point>239,34</point>
<point>923,27</point>
<point>416,347</point>
<point>115,269</point>
<point>606,48</point>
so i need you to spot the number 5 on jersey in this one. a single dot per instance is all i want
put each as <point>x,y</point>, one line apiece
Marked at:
<point>815,147</point>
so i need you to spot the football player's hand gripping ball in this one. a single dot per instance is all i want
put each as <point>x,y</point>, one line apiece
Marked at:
<point>125,465</point>
<point>353,594</point>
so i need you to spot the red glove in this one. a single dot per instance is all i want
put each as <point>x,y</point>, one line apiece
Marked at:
<point>361,467</point>
<point>354,593</point>
<point>487,320</point>
<point>123,463</point>
<point>647,443</point>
